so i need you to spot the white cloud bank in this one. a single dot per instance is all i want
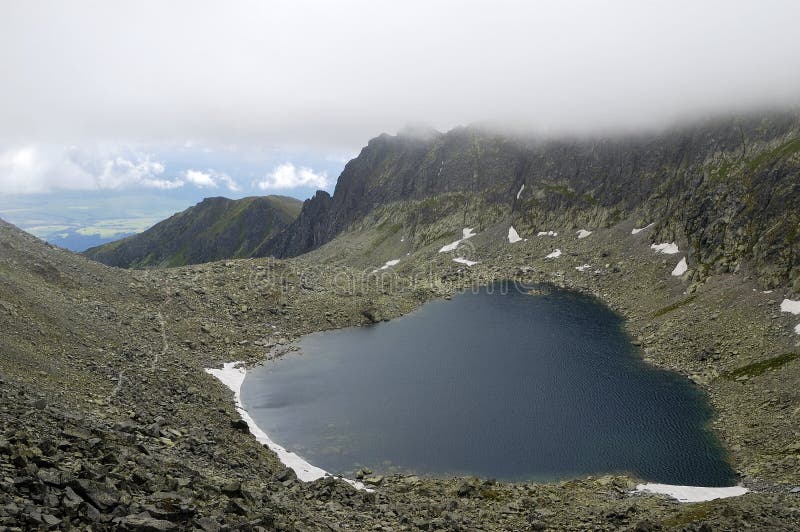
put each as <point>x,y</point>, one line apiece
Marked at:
<point>210,179</point>
<point>34,168</point>
<point>287,175</point>
<point>86,69</point>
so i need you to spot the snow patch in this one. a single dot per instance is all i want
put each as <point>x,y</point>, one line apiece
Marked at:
<point>554,255</point>
<point>232,375</point>
<point>513,236</point>
<point>637,231</point>
<point>667,248</point>
<point>583,233</point>
<point>546,233</point>
<point>465,234</point>
<point>797,328</point>
<point>389,264</point>
<point>462,260</point>
<point>787,305</point>
<point>692,493</point>
<point>681,268</point>
<point>583,268</point>
<point>520,190</point>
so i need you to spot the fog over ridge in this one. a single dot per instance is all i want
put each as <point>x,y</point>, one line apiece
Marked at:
<point>333,75</point>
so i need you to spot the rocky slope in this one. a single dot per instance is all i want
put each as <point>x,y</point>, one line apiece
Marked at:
<point>730,187</point>
<point>108,421</point>
<point>214,229</point>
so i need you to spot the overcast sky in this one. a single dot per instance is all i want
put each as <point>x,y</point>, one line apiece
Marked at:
<point>101,95</point>
<point>334,74</point>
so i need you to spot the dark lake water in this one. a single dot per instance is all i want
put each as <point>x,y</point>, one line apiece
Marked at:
<point>505,385</point>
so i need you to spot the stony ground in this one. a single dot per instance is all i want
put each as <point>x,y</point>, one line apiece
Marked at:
<point>110,422</point>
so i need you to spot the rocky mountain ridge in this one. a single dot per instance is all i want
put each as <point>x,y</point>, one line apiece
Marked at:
<point>729,187</point>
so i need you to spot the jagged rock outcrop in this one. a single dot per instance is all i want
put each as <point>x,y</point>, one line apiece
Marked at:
<point>729,187</point>
<point>308,233</point>
<point>216,228</point>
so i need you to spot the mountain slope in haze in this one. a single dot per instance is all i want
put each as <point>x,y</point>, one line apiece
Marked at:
<point>729,187</point>
<point>216,228</point>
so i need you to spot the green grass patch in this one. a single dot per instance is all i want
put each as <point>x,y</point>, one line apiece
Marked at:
<point>385,231</point>
<point>721,172</point>
<point>674,306</point>
<point>491,494</point>
<point>588,198</point>
<point>561,190</point>
<point>695,512</point>
<point>784,150</point>
<point>758,368</point>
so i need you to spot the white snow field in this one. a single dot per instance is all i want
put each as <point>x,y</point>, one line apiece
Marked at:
<point>787,305</point>
<point>513,236</point>
<point>680,268</point>
<point>465,234</point>
<point>692,493</point>
<point>388,264</point>
<point>667,248</point>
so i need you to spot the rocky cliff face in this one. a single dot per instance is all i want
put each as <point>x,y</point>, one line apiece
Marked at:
<point>216,228</point>
<point>731,188</point>
<point>309,231</point>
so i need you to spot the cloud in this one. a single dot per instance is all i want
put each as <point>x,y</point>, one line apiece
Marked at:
<point>33,169</point>
<point>120,172</point>
<point>20,170</point>
<point>210,179</point>
<point>38,168</point>
<point>287,175</point>
<point>85,70</point>
<point>163,184</point>
<point>199,178</point>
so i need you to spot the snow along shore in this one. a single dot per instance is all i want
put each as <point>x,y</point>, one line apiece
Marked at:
<point>232,375</point>
<point>692,493</point>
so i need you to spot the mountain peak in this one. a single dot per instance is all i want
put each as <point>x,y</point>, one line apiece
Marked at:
<point>216,228</point>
